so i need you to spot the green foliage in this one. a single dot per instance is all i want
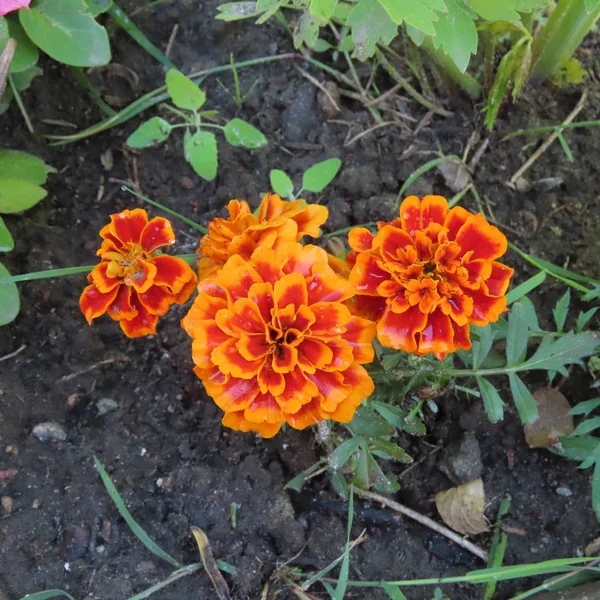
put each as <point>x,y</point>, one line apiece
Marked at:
<point>21,178</point>
<point>200,146</point>
<point>314,179</point>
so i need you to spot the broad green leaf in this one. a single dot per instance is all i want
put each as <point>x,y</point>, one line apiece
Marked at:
<point>183,91</point>
<point>270,7</point>
<point>370,25</point>
<point>67,31</point>
<point>418,37</point>
<point>524,288</point>
<point>6,240</point>
<point>529,5</point>
<point>347,44</point>
<point>392,591</point>
<point>523,399</point>
<point>201,152</point>
<point>492,10</point>
<point>591,6</point>
<point>553,355</point>
<point>586,407</point>
<point>47,594</point>
<point>17,195</point>
<point>23,79</point>
<point>319,176</point>
<point>577,448</point>
<point>492,402</point>
<point>234,11</point>
<point>367,422</point>
<point>517,337</point>
<point>418,13</point>
<point>10,303</point>
<point>456,33</point>
<point>584,318</point>
<point>306,31</point>
<point>322,46</point>
<point>97,7</point>
<point>342,454</point>
<point>150,133</point>
<point>561,309</point>
<point>281,184</point>
<point>323,9</point>
<point>26,54</point>
<point>240,133</point>
<point>22,165</point>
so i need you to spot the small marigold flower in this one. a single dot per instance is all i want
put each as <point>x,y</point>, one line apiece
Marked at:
<point>134,283</point>
<point>277,222</point>
<point>274,341</point>
<point>429,274</point>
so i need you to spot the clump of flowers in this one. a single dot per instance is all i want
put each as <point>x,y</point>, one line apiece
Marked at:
<point>275,341</point>
<point>276,223</point>
<point>428,275</point>
<point>134,283</point>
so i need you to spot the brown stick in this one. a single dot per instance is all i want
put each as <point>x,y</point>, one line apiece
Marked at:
<point>412,514</point>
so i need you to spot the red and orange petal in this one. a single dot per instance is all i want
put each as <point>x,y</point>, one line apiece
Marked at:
<point>143,323</point>
<point>94,303</point>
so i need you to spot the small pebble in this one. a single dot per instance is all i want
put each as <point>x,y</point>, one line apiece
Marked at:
<point>36,503</point>
<point>76,542</point>
<point>7,504</point>
<point>106,405</point>
<point>49,431</point>
<point>564,491</point>
<point>73,400</point>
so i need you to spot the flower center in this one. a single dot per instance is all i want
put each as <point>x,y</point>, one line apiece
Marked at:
<point>128,263</point>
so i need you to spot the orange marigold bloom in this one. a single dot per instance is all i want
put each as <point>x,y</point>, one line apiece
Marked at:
<point>274,342</point>
<point>429,274</point>
<point>134,283</point>
<point>277,222</point>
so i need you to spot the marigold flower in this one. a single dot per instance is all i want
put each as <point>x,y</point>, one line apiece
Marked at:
<point>429,274</point>
<point>134,283</point>
<point>277,222</point>
<point>274,341</point>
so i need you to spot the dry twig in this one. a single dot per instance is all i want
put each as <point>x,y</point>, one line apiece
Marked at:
<point>13,354</point>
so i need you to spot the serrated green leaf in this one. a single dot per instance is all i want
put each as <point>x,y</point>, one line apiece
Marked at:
<point>378,479</point>
<point>492,402</point>
<point>183,91</point>
<point>504,76</point>
<point>151,133</point>
<point>392,450</point>
<point>319,176</point>
<point>234,11</point>
<point>342,454</point>
<point>272,6</point>
<point>22,165</point>
<point>586,407</point>
<point>281,184</point>
<point>306,31</point>
<point>584,318</point>
<point>553,355</point>
<point>6,239</point>
<point>97,7</point>
<point>523,399</point>
<point>561,309</point>
<point>10,303</point>
<point>67,31</point>
<point>517,336</point>
<point>456,33</point>
<point>492,10</point>
<point>17,195</point>
<point>526,287</point>
<point>587,426</point>
<point>418,13</point>
<point>577,448</point>
<point>323,9</point>
<point>201,152</point>
<point>393,591</point>
<point>367,422</point>
<point>298,482</point>
<point>522,69</point>
<point>483,345</point>
<point>322,46</point>
<point>370,25</point>
<point>418,37</point>
<point>240,133</point>
<point>26,53</point>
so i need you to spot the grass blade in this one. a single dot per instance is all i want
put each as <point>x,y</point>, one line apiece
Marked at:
<point>340,589</point>
<point>524,288</point>
<point>47,594</point>
<point>133,524</point>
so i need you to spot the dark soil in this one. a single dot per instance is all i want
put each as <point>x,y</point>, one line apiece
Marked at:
<point>163,444</point>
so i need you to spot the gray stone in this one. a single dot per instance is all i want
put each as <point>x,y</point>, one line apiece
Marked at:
<point>106,405</point>
<point>461,460</point>
<point>49,431</point>
<point>299,117</point>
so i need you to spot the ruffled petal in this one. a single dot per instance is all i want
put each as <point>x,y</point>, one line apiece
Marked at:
<point>157,233</point>
<point>302,259</point>
<point>486,309</point>
<point>438,335</point>
<point>410,214</point>
<point>362,386</point>
<point>285,358</point>
<point>367,275</point>
<point>121,308</point>
<point>205,307</point>
<point>270,381</point>
<point>399,331</point>
<point>236,277</point>
<point>313,354</point>
<point>455,219</point>
<point>499,279</point>
<point>270,207</point>
<point>360,334</point>
<point>329,319</point>
<point>298,391</point>
<point>261,294</point>
<point>157,300</point>
<point>230,361</point>
<point>371,307</point>
<point>172,272</point>
<point>253,347</point>
<point>291,289</point>
<point>342,355</point>
<point>458,307</point>
<point>264,409</point>
<point>484,240</point>
<point>310,219</point>
<point>433,210</point>
<point>229,393</point>
<point>392,239</point>
<point>331,387</point>
<point>207,337</point>
<point>309,414</point>
<point>94,303</point>
<point>101,280</point>
<point>326,286</point>
<point>142,277</point>
<point>127,226</point>
<point>142,324</point>
<point>360,239</point>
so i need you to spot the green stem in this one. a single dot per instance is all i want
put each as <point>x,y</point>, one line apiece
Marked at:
<point>568,24</point>
<point>347,229</point>
<point>20,104</point>
<point>550,129</point>
<point>465,81</point>
<point>186,117</point>
<point>92,92</point>
<point>132,29</point>
<point>174,576</point>
<point>409,89</point>
<point>155,97</point>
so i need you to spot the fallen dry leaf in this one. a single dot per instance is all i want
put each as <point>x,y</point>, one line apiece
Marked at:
<point>593,548</point>
<point>210,564</point>
<point>553,421</point>
<point>456,175</point>
<point>462,507</point>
